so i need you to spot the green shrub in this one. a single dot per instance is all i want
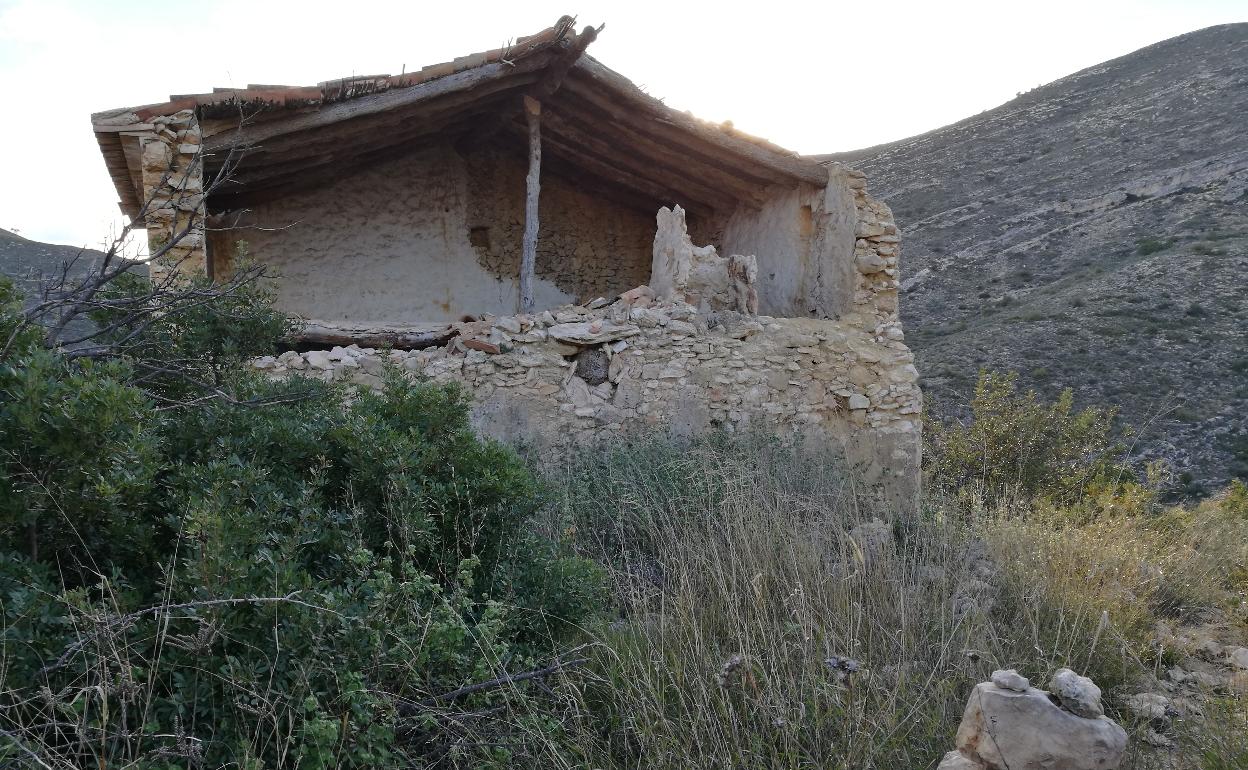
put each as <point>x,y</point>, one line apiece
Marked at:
<point>1017,448</point>
<point>288,577</point>
<point>1146,246</point>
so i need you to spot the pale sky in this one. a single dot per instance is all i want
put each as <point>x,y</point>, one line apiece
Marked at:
<point>813,77</point>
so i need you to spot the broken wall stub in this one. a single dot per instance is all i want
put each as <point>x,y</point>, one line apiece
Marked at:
<point>698,274</point>
<point>173,194</point>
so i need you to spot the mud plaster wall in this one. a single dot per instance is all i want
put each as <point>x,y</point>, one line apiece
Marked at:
<point>432,236</point>
<point>387,244</point>
<point>803,239</point>
<point>586,246</point>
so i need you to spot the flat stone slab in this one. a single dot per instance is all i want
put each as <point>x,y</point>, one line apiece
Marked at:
<point>592,332</point>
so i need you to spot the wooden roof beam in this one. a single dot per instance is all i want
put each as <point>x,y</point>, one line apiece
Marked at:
<point>649,154</point>
<point>657,173</point>
<point>618,176</point>
<point>468,82</point>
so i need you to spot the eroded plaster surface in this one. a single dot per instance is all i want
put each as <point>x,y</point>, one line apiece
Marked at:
<point>434,236</point>
<point>387,244</point>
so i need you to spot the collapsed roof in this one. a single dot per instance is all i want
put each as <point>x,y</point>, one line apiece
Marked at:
<point>597,127</point>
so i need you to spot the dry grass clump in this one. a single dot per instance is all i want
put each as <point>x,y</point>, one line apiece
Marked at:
<point>770,615</point>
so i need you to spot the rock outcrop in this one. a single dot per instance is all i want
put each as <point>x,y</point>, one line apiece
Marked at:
<point>1010,725</point>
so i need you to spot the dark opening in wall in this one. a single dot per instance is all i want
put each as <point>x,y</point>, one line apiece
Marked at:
<point>479,237</point>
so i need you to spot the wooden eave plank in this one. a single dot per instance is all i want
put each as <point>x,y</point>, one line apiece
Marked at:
<point>386,129</point>
<point>471,81</point>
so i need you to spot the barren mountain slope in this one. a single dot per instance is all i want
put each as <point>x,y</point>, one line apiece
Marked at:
<point>1093,233</point>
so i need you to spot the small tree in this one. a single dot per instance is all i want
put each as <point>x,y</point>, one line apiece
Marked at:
<point>1018,448</point>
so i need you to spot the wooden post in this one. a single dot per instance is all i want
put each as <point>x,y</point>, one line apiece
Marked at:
<point>533,114</point>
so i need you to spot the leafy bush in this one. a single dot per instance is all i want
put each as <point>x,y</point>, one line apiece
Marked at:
<point>182,349</point>
<point>291,575</point>
<point>1016,448</point>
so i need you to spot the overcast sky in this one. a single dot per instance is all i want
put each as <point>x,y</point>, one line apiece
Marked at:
<point>814,77</point>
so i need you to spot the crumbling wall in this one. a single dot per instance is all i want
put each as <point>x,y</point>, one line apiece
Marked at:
<point>566,378</point>
<point>877,277</point>
<point>803,239</point>
<point>587,246</point>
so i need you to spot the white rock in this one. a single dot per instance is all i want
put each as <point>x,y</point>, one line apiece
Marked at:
<point>683,328</point>
<point>1149,705</point>
<point>509,324</point>
<point>1010,679</point>
<point>318,359</point>
<point>1026,731</point>
<point>591,332</point>
<point>956,761</point>
<point>870,263</point>
<point>859,401</point>
<point>1077,693</point>
<point>1237,656</point>
<point>578,393</point>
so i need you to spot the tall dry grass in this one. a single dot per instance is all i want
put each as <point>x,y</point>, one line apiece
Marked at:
<point>770,615</point>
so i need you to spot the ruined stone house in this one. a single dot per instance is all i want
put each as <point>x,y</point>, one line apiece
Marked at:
<point>525,221</point>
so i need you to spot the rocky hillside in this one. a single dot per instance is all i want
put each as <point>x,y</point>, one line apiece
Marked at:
<point>1093,233</point>
<point>25,260</point>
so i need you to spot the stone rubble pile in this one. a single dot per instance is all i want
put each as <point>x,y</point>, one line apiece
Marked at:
<point>1205,666</point>
<point>1010,725</point>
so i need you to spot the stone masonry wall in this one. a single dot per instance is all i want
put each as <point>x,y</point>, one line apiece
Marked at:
<point>173,188</point>
<point>565,378</point>
<point>877,247</point>
<point>586,245</point>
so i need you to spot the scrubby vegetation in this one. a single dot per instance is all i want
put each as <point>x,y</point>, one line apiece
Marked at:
<point>264,575</point>
<point>201,568</point>
<point>768,617</point>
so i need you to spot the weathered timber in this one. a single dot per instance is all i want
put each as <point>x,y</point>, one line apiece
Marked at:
<point>621,155</point>
<point>315,336</point>
<point>275,171</point>
<point>558,70</point>
<point>532,190</point>
<point>583,115</point>
<point>377,127</point>
<point>466,81</point>
<point>664,194</point>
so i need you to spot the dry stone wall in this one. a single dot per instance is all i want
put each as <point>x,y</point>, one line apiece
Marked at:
<point>173,188</point>
<point>566,378</point>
